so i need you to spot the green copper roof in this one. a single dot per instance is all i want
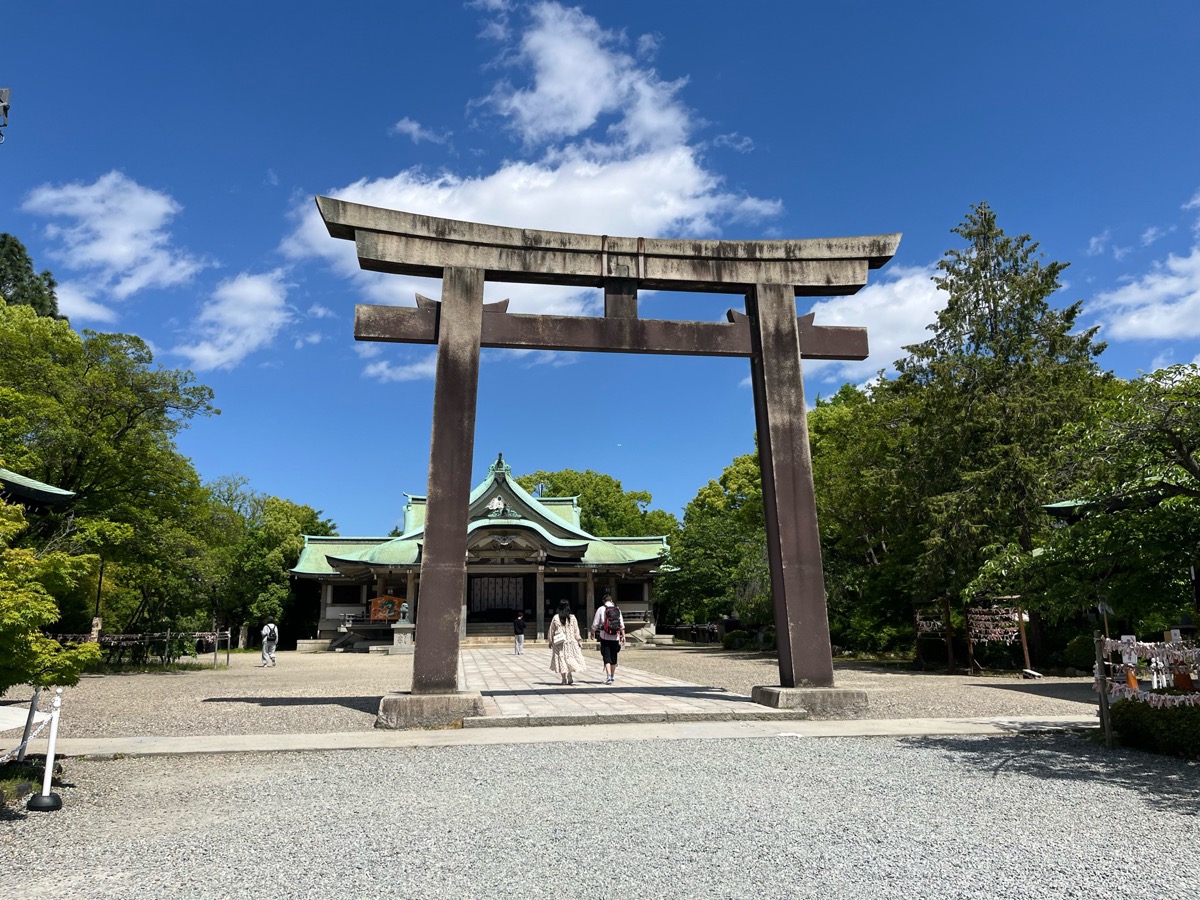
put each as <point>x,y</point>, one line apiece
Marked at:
<point>498,506</point>
<point>314,557</point>
<point>32,490</point>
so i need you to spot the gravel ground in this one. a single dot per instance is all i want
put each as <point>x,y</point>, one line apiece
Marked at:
<point>316,693</point>
<point>940,818</point>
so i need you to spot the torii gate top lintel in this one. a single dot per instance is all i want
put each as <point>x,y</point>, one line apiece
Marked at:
<point>390,240</point>
<point>769,274</point>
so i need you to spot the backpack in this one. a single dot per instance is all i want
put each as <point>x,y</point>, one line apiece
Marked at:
<point>612,620</point>
<point>272,634</point>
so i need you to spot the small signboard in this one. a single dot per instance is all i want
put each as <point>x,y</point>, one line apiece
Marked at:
<point>386,608</point>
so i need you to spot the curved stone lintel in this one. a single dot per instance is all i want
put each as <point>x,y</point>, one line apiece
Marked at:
<point>391,240</point>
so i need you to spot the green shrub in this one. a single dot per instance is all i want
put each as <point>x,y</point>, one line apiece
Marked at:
<point>1171,730</point>
<point>737,640</point>
<point>1080,653</point>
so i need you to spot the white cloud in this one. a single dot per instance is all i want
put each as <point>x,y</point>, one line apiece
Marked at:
<point>317,311</point>
<point>117,233</point>
<point>1099,243</point>
<point>895,310</point>
<point>307,340</point>
<point>633,174</point>
<point>75,303</point>
<point>1153,233</point>
<point>420,370</point>
<point>1194,203</point>
<point>244,315</point>
<point>368,350</point>
<point>1164,303</point>
<point>734,141</point>
<point>416,132</point>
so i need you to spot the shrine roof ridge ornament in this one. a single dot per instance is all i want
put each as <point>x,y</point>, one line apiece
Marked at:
<point>389,240</point>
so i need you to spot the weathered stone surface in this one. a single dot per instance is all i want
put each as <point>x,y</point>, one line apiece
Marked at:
<point>793,542</point>
<point>451,450</point>
<point>518,331</point>
<point>407,710</point>
<point>771,274</point>
<point>817,701</point>
<point>395,241</point>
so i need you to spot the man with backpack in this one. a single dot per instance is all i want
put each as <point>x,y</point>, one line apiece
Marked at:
<point>270,637</point>
<point>609,628</point>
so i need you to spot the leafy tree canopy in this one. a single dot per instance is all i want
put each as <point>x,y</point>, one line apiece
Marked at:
<point>606,509</point>
<point>20,285</point>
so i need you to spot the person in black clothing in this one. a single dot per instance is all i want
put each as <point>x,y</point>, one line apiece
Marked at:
<point>519,634</point>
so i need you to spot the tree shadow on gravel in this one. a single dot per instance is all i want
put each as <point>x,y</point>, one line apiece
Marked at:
<point>360,704</point>
<point>1076,692</point>
<point>1164,783</point>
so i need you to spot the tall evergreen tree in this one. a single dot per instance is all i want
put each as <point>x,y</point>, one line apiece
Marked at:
<point>20,285</point>
<point>1002,374</point>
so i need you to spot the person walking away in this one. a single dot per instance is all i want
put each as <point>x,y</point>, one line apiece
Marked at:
<point>609,628</point>
<point>519,634</point>
<point>566,644</point>
<point>270,637</point>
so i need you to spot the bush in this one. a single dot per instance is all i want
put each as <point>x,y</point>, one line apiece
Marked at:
<point>737,640</point>
<point>1080,653</point>
<point>1171,730</point>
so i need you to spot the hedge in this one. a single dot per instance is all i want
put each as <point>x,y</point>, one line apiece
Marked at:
<point>1171,730</point>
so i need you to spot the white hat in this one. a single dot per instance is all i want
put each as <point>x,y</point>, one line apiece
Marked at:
<point>608,601</point>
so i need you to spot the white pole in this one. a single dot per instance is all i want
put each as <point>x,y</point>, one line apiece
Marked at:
<point>46,801</point>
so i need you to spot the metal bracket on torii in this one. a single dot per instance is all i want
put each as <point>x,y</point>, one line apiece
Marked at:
<point>770,274</point>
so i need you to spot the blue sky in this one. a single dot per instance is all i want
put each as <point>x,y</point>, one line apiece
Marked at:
<point>161,160</point>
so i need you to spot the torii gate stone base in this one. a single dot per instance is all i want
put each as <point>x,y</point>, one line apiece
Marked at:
<point>769,274</point>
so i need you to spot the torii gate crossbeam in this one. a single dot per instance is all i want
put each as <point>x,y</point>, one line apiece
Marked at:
<point>770,274</point>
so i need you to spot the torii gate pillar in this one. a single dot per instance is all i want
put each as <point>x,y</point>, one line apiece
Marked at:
<point>770,274</point>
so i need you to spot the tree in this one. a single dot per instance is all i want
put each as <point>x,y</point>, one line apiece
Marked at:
<point>718,560</point>
<point>258,583</point>
<point>26,655</point>
<point>861,471</point>
<point>20,285</point>
<point>605,508</point>
<point>91,414</point>
<point>1001,376</point>
<point>1135,525</point>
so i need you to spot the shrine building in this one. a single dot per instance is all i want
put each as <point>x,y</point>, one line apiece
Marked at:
<point>524,554</point>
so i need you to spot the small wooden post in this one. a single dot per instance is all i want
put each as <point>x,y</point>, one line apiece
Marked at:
<point>949,636</point>
<point>1102,675</point>
<point>1021,630</point>
<point>971,664</point>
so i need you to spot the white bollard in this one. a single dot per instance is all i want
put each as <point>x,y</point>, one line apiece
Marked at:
<point>46,801</point>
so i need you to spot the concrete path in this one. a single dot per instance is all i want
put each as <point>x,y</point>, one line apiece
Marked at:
<point>520,691</point>
<point>555,734</point>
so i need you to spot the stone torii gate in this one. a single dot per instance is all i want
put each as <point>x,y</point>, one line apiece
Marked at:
<point>770,274</point>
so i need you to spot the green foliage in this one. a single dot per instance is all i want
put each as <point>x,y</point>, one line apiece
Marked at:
<point>718,560</point>
<point>20,285</point>
<point>1171,730</point>
<point>737,640</point>
<point>1136,525</point>
<point>994,386</point>
<point>265,539</point>
<point>26,655</point>
<point>606,509</point>
<point>1080,653</point>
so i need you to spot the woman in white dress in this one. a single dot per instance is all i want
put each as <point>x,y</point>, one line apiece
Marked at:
<point>566,644</point>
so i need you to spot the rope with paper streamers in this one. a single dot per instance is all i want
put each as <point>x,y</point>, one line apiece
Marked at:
<point>1157,701</point>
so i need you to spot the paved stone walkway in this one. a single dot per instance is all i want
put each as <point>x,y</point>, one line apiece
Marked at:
<point>521,690</point>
